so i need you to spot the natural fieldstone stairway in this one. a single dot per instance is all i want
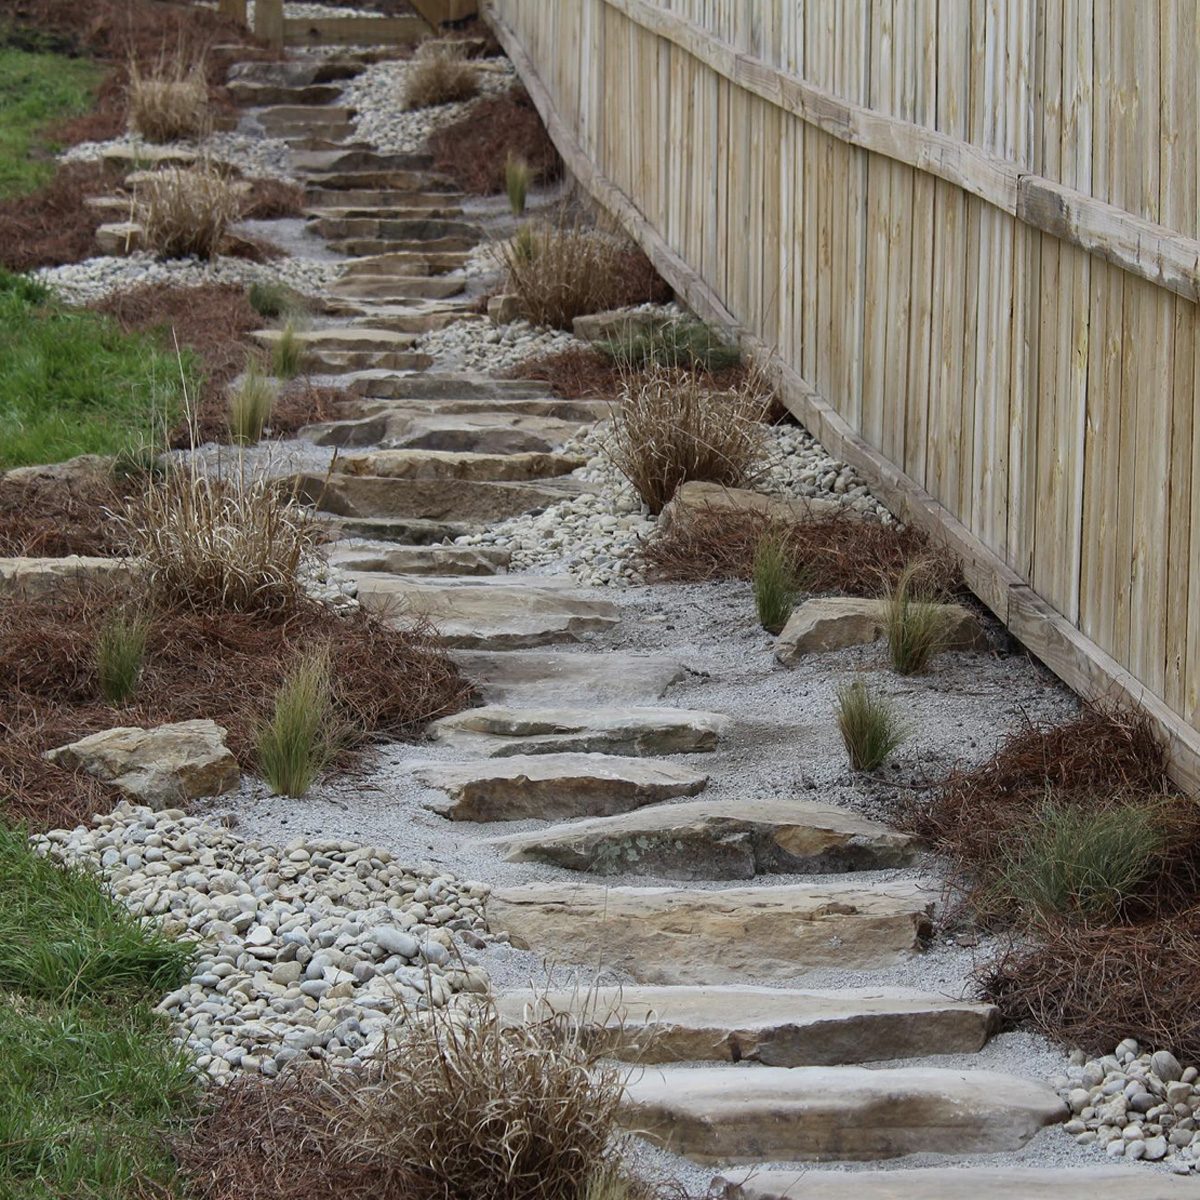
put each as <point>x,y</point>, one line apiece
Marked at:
<point>722,905</point>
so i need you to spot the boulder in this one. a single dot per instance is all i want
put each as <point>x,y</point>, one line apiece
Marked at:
<point>616,323</point>
<point>504,310</point>
<point>160,767</point>
<point>120,238</point>
<point>715,839</point>
<point>695,497</point>
<point>445,464</point>
<point>553,786</point>
<point>790,1114</point>
<point>498,731</point>
<point>777,1027</point>
<point>30,578</point>
<point>673,935</point>
<point>835,622</point>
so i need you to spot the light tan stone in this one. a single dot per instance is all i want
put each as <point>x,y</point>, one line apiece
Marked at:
<point>674,935</point>
<point>715,839</point>
<point>778,1027</point>
<point>446,464</point>
<point>616,323</point>
<point>504,310</point>
<point>35,577</point>
<point>696,497</point>
<point>499,731</point>
<point>553,786</point>
<point>835,622</point>
<point>119,238</point>
<point>161,767</point>
<point>420,560</point>
<point>341,337</point>
<point>790,1114</point>
<point>529,678</point>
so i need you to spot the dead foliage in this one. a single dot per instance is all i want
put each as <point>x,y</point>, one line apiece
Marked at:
<point>218,664</point>
<point>186,211</point>
<point>453,1109</point>
<point>50,516</point>
<point>53,225</point>
<point>474,151</point>
<point>168,100</point>
<point>300,403</point>
<point>440,76</point>
<point>1091,987</point>
<point>1102,755</point>
<point>271,199</point>
<point>838,554</point>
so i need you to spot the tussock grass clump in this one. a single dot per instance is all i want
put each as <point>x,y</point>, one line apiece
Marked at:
<point>250,405</point>
<point>670,427</point>
<point>287,353</point>
<point>560,272</point>
<point>300,739</point>
<point>272,299</point>
<point>915,624</point>
<point>170,102</point>
<point>1074,863</point>
<point>517,178</point>
<point>460,1104</point>
<point>775,584</point>
<point>870,726</point>
<point>187,211</point>
<point>683,344</point>
<point>120,652</point>
<point>440,75</point>
<point>211,541</point>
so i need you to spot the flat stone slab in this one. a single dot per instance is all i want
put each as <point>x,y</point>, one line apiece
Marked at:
<point>498,731</point>
<point>32,578</point>
<point>695,497</point>
<point>161,767</point>
<point>348,337</point>
<point>392,287</point>
<point>411,530</point>
<point>542,677</point>
<point>836,622</point>
<point>965,1183</point>
<point>429,499</point>
<point>674,935</point>
<point>716,839</point>
<point>554,786</point>
<point>428,386</point>
<point>421,560</point>
<point>491,615</point>
<point>778,1027</point>
<point>790,1114</point>
<point>447,464</point>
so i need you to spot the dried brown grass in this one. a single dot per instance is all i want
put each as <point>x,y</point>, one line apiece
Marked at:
<point>186,211</point>
<point>460,1107</point>
<point>223,665</point>
<point>560,272</point>
<point>474,151</point>
<point>50,516</point>
<point>669,427</point>
<point>840,554</point>
<point>270,199</point>
<point>440,75</point>
<point>168,101</point>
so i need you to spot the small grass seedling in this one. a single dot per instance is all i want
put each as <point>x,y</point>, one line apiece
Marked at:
<point>300,740</point>
<point>250,405</point>
<point>774,583</point>
<point>120,653</point>
<point>869,726</point>
<point>287,353</point>
<point>915,625</point>
<point>517,177</point>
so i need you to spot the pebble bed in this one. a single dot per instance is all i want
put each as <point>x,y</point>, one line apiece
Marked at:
<point>254,155</point>
<point>312,950</point>
<point>478,345</point>
<point>94,278</point>
<point>1136,1106</point>
<point>302,11</point>
<point>377,95</point>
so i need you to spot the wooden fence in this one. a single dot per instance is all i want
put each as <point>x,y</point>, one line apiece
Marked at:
<point>964,233</point>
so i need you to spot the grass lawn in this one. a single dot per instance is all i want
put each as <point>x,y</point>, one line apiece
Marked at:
<point>36,91</point>
<point>72,383</point>
<point>91,1087</point>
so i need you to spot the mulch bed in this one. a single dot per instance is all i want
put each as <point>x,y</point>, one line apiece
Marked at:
<point>474,151</point>
<point>221,665</point>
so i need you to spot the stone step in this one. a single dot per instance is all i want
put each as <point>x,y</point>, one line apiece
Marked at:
<point>371,222</point>
<point>395,287</point>
<point>825,1114</point>
<point>553,786</point>
<point>345,362</point>
<point>429,386</point>
<point>340,337</point>
<point>298,72</point>
<point>445,464</point>
<point>468,561</point>
<point>573,411</point>
<point>363,247</point>
<point>413,531</point>
<point>777,1027</point>
<point>405,263</point>
<point>420,317</point>
<point>421,228</point>
<point>499,731</point>
<point>530,678</point>
<point>674,935</point>
<point>327,162</point>
<point>328,182</point>
<point>331,201</point>
<point>717,839</point>
<point>281,120</point>
<point>488,616</point>
<point>486,434</point>
<point>429,499</point>
<point>963,1183</point>
<point>412,205</point>
<point>248,94</point>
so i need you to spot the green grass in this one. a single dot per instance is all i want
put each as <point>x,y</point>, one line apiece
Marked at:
<point>287,353</point>
<point>915,624</point>
<point>36,91</point>
<point>300,739</point>
<point>90,1083</point>
<point>72,383</point>
<point>271,299</point>
<point>774,582</point>
<point>120,651</point>
<point>870,727</point>
<point>684,344</point>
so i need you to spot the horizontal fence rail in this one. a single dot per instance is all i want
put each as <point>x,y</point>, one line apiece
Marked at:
<point>965,237</point>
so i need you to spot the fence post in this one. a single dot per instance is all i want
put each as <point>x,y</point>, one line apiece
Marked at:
<point>236,9</point>
<point>268,22</point>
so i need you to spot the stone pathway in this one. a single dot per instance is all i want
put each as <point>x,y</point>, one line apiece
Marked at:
<point>738,1074</point>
